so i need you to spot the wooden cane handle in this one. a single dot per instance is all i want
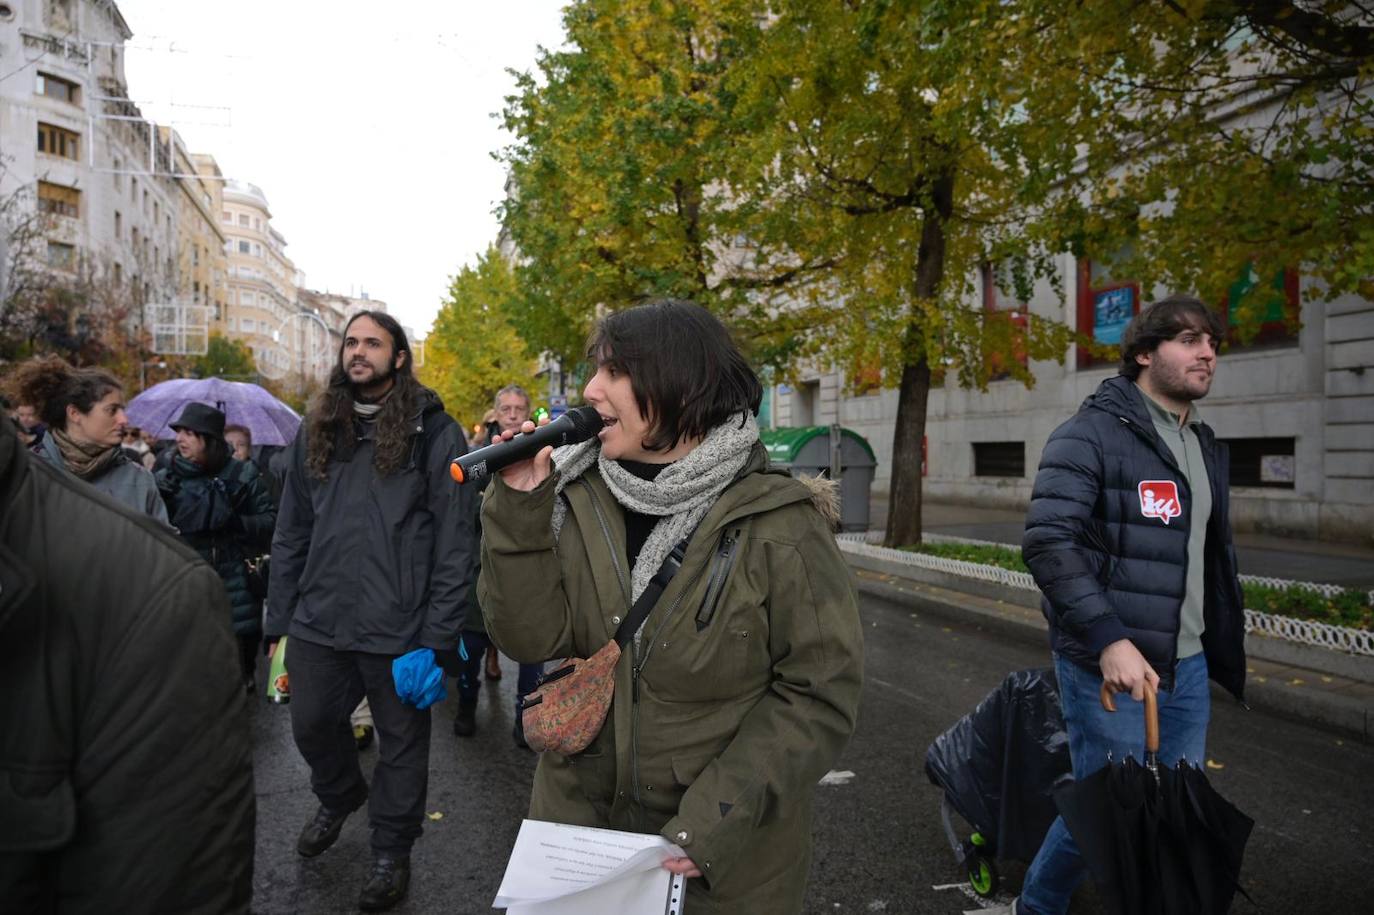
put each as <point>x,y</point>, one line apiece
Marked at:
<point>1151,713</point>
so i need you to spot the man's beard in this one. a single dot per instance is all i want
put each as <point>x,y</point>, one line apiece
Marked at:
<point>387,373</point>
<point>1178,385</point>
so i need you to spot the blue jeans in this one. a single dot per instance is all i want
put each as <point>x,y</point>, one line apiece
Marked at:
<point>470,676</point>
<point>1094,733</point>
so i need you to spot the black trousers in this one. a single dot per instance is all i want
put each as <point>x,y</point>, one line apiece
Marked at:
<point>326,685</point>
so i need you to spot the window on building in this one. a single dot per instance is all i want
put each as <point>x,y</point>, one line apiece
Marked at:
<point>64,90</point>
<point>145,201</point>
<point>1106,304</point>
<point>243,220</point>
<point>257,250</point>
<point>59,200</point>
<point>249,325</point>
<point>61,256</point>
<point>243,247</point>
<point>118,275</point>
<point>133,189</point>
<point>157,211</point>
<point>58,14</point>
<point>1273,305</point>
<point>58,141</point>
<point>999,459</point>
<point>226,216</point>
<point>1005,340</point>
<point>119,226</point>
<point>1267,462</point>
<point>117,178</point>
<point>133,236</point>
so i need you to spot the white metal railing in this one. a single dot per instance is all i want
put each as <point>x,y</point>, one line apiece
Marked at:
<point>1307,632</point>
<point>1267,581</point>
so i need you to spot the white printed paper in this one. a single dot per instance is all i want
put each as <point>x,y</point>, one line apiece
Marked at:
<point>556,869</point>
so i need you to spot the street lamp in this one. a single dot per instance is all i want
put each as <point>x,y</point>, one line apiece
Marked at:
<point>143,372</point>
<point>281,329</point>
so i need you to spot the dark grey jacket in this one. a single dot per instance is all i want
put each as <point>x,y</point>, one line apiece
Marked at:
<point>124,481</point>
<point>1108,571</point>
<point>126,781</point>
<point>377,564</point>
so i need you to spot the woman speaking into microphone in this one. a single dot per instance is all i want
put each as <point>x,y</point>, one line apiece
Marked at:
<point>740,688</point>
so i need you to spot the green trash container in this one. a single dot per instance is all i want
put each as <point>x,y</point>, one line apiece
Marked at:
<point>830,451</point>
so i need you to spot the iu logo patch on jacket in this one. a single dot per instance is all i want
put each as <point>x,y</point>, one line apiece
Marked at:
<point>1159,499</point>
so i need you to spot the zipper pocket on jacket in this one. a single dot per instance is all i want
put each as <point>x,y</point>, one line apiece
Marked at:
<point>610,544</point>
<point>636,668</point>
<point>721,566</point>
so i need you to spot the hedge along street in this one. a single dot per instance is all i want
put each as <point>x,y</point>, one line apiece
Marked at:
<point>1315,685</point>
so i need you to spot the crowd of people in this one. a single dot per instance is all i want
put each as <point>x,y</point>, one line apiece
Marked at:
<point>352,550</point>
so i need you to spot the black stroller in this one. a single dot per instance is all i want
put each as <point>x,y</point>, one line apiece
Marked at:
<point>998,768</point>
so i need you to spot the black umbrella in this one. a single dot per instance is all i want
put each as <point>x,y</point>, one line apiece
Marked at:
<point>1157,841</point>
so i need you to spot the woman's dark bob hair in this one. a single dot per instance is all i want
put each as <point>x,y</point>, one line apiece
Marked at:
<point>1165,320</point>
<point>686,373</point>
<point>217,453</point>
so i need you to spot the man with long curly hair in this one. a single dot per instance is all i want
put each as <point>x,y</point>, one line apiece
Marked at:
<point>372,558</point>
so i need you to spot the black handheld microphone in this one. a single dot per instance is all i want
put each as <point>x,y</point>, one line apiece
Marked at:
<point>569,429</point>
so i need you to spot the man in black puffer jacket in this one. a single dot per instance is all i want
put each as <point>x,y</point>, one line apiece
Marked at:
<point>126,780</point>
<point>1129,539</point>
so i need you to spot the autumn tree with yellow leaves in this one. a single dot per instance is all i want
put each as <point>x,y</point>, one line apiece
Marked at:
<point>831,176</point>
<point>473,350</point>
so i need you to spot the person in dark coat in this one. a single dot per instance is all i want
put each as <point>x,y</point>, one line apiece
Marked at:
<point>511,409</point>
<point>221,508</point>
<point>126,781</point>
<point>372,559</point>
<point>1129,539</point>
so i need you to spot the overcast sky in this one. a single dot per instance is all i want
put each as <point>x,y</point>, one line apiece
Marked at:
<point>370,132</point>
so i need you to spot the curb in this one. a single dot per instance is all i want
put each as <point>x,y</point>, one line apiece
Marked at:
<point>1274,684</point>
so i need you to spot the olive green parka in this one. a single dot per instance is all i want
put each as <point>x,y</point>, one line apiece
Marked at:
<point>741,694</point>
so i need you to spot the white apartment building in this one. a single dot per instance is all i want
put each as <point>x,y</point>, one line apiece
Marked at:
<point>260,304</point>
<point>72,140</point>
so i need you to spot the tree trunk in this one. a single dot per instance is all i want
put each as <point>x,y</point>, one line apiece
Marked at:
<point>904,499</point>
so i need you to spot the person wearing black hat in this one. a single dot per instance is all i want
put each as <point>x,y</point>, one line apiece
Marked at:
<point>222,509</point>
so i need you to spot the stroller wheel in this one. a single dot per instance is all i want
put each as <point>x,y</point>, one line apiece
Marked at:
<point>982,875</point>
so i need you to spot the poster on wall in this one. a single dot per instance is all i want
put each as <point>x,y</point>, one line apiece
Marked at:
<point>1113,309</point>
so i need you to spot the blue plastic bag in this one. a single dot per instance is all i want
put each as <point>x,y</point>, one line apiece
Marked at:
<point>419,680</point>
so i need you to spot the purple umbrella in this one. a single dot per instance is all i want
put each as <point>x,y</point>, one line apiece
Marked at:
<point>269,420</point>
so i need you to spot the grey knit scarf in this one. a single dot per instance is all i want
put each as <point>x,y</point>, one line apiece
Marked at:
<point>681,494</point>
<point>367,412</point>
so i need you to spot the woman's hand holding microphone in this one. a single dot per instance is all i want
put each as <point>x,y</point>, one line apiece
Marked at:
<point>526,475</point>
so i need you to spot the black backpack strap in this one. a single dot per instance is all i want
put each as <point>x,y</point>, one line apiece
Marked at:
<point>659,583</point>
<point>653,591</point>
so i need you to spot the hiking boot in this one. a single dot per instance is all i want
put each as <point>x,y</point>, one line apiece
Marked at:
<point>386,884</point>
<point>465,722</point>
<point>321,831</point>
<point>362,735</point>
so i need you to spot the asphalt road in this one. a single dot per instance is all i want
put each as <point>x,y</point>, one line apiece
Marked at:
<point>879,846</point>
